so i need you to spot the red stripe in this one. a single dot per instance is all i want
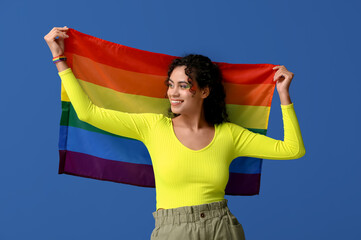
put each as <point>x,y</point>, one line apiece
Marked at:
<point>132,59</point>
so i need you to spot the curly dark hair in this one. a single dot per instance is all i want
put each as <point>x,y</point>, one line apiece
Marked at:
<point>207,74</point>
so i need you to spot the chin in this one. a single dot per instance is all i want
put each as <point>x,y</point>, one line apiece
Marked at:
<point>176,111</point>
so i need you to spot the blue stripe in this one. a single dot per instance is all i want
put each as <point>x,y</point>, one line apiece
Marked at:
<point>246,165</point>
<point>130,150</point>
<point>107,147</point>
<point>63,133</point>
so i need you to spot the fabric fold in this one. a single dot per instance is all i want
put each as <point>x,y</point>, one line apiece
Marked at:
<point>131,80</point>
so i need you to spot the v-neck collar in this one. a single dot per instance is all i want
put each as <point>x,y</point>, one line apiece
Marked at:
<point>180,143</point>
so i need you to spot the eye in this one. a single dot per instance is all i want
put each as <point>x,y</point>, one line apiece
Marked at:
<point>170,85</point>
<point>185,86</point>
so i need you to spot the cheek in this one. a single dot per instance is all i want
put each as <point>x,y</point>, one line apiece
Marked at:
<point>194,88</point>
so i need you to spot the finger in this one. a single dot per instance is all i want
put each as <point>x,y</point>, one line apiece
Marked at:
<point>276,67</point>
<point>284,77</point>
<point>61,34</point>
<point>275,78</point>
<point>279,72</point>
<point>279,76</point>
<point>279,67</point>
<point>54,32</point>
<point>61,28</point>
<point>53,36</point>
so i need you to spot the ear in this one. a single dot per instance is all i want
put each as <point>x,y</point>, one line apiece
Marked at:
<point>205,92</point>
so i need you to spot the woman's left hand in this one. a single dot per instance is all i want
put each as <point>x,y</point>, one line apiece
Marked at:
<point>283,78</point>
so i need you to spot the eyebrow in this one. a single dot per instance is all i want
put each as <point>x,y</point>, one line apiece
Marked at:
<point>178,82</point>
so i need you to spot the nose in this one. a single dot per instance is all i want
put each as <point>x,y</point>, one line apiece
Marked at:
<point>173,92</point>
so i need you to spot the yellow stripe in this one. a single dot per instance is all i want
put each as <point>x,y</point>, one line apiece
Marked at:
<point>246,116</point>
<point>249,116</point>
<point>111,99</point>
<point>64,95</point>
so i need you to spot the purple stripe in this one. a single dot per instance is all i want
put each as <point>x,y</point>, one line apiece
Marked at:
<point>84,165</point>
<point>62,156</point>
<point>243,184</point>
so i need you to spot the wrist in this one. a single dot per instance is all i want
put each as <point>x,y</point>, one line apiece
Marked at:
<point>59,58</point>
<point>283,93</point>
<point>56,54</point>
<point>285,98</point>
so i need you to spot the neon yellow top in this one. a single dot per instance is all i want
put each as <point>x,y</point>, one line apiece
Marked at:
<point>186,177</point>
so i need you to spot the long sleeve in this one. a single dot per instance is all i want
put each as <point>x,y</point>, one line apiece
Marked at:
<point>132,125</point>
<point>257,145</point>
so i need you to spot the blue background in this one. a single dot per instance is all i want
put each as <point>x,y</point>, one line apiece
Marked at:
<point>315,197</point>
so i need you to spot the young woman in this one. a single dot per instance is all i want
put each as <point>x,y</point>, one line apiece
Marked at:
<point>192,149</point>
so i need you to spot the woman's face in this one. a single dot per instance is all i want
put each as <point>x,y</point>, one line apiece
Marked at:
<point>181,99</point>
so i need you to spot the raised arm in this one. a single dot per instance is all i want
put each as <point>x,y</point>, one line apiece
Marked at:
<point>124,124</point>
<point>257,145</point>
<point>251,144</point>
<point>130,125</point>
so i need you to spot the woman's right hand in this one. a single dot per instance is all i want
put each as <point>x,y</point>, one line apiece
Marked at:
<point>56,45</point>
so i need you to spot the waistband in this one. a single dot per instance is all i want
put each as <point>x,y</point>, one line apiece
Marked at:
<point>191,213</point>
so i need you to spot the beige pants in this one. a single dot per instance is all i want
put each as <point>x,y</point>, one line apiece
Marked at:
<point>207,221</point>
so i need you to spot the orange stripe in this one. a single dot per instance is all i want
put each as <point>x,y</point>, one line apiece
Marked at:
<point>153,85</point>
<point>249,94</point>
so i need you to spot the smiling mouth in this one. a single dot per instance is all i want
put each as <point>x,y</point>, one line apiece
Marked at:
<point>175,102</point>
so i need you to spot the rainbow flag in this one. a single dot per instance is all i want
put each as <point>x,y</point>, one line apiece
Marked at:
<point>127,79</point>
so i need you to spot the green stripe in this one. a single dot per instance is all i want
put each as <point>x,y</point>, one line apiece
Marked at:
<point>70,118</point>
<point>65,106</point>
<point>261,131</point>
